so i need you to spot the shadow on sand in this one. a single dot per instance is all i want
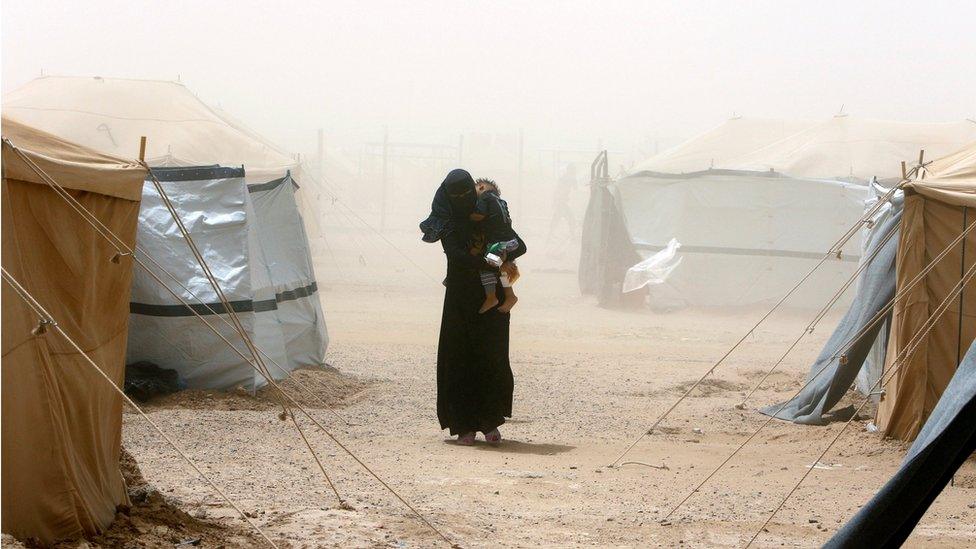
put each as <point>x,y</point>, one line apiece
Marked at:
<point>517,447</point>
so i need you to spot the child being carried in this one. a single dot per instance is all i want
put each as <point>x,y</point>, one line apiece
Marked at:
<point>492,212</point>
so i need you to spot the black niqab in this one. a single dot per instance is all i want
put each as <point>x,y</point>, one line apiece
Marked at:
<point>453,203</point>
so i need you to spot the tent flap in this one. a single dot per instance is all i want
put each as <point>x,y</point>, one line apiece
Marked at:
<point>61,421</point>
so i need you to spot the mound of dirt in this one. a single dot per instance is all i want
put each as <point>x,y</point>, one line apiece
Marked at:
<point>312,387</point>
<point>9,542</point>
<point>707,387</point>
<point>153,522</point>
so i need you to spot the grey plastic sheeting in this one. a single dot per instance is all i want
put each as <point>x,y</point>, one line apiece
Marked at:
<point>286,252</point>
<point>946,440</point>
<point>870,372</point>
<point>746,237</point>
<point>828,378</point>
<point>255,245</point>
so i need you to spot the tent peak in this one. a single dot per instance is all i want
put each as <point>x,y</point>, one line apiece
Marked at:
<point>111,114</point>
<point>177,82</point>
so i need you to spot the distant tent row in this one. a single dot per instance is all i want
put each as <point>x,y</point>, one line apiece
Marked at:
<point>246,219</point>
<point>755,204</point>
<point>62,422</point>
<point>938,209</point>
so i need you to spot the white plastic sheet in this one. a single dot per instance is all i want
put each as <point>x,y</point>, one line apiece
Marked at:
<point>654,269</point>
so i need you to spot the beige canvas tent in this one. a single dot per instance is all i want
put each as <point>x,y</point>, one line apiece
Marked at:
<point>937,208</point>
<point>61,420</point>
<point>111,114</point>
<point>852,148</point>
<point>720,146</point>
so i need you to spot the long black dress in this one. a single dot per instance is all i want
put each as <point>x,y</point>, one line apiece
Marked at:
<point>474,377</point>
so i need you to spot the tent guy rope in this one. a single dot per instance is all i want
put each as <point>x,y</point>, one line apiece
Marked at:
<point>238,326</point>
<point>899,361</point>
<point>123,248</point>
<point>834,251</point>
<point>846,346</point>
<point>337,200</point>
<point>47,320</point>
<point>823,312</point>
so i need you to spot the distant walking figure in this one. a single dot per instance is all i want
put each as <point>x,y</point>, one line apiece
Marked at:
<point>561,211</point>
<point>474,377</point>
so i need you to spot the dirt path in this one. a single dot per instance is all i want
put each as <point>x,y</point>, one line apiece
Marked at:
<point>587,382</point>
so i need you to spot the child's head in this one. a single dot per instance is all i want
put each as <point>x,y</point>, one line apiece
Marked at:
<point>483,185</point>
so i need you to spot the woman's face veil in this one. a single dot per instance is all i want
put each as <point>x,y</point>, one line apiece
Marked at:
<point>453,202</point>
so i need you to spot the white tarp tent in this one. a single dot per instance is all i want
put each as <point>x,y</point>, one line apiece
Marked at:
<point>753,206</point>
<point>745,237</point>
<point>284,244</point>
<point>256,249</point>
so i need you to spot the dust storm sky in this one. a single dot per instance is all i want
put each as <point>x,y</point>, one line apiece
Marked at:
<point>568,73</point>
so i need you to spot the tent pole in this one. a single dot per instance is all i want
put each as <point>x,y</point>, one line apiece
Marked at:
<point>321,163</point>
<point>386,146</point>
<point>962,272</point>
<point>519,177</point>
<point>142,149</point>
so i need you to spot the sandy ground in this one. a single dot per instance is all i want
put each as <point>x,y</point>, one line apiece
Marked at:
<point>588,381</point>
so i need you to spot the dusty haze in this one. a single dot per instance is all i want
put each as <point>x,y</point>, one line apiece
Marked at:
<point>629,75</point>
<point>572,76</point>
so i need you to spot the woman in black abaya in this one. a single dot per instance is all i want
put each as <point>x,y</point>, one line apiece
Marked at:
<point>474,377</point>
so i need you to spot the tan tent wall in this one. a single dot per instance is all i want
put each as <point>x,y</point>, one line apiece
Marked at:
<point>928,226</point>
<point>61,422</point>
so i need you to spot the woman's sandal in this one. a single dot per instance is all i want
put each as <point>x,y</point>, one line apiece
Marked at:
<point>493,437</point>
<point>467,439</point>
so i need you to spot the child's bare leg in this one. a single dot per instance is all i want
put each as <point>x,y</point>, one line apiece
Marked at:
<point>491,300</point>
<point>510,300</point>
